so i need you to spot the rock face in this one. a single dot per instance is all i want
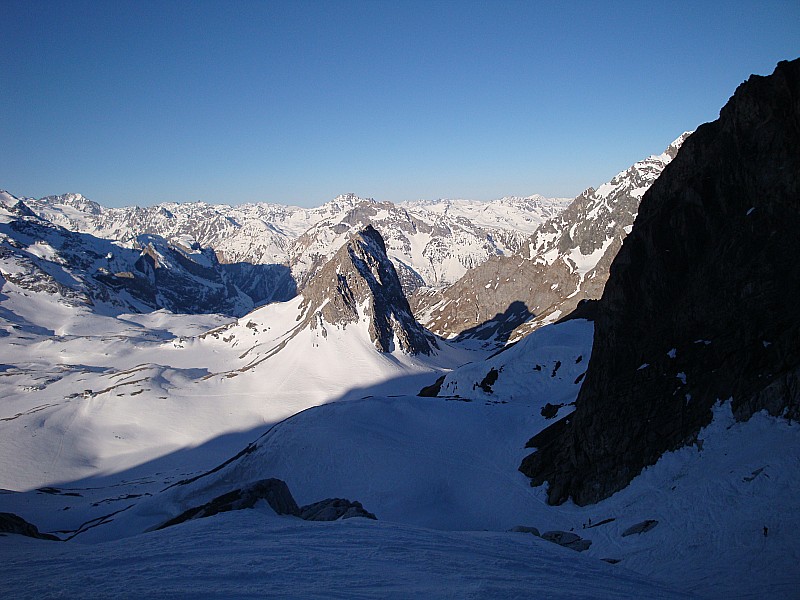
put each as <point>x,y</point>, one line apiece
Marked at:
<point>334,509</point>
<point>274,492</point>
<point>565,261</point>
<point>360,281</point>
<point>11,523</point>
<point>700,306</point>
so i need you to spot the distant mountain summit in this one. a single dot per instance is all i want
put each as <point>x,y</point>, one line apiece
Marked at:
<point>701,303</point>
<point>360,282</point>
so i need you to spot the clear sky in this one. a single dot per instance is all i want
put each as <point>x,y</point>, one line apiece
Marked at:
<point>296,102</point>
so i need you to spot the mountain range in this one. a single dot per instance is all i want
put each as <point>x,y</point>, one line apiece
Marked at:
<point>433,242</point>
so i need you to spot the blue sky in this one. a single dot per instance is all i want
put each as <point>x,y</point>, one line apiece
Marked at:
<point>296,102</point>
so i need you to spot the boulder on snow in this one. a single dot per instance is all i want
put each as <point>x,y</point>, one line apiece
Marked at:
<point>431,391</point>
<point>11,523</point>
<point>274,491</point>
<point>333,509</point>
<point>526,529</point>
<point>567,539</point>
<point>642,527</point>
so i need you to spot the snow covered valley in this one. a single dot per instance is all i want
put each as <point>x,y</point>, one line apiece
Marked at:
<point>100,468</point>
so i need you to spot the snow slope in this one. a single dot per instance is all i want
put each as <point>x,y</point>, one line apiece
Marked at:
<point>253,554</point>
<point>436,471</point>
<point>84,394</point>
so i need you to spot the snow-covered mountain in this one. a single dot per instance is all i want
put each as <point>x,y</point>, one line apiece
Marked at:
<point>564,261</point>
<point>253,233</point>
<point>146,274</point>
<point>431,243</point>
<point>514,213</point>
<point>428,249</point>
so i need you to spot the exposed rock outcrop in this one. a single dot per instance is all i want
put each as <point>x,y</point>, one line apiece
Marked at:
<point>276,493</point>
<point>640,528</point>
<point>567,539</point>
<point>11,523</point>
<point>700,306</point>
<point>358,281</point>
<point>526,529</point>
<point>334,509</point>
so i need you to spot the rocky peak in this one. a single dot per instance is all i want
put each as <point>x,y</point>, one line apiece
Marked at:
<point>361,282</point>
<point>700,306</point>
<point>76,201</point>
<point>343,202</point>
<point>672,149</point>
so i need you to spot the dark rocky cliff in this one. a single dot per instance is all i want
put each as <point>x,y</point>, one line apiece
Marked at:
<point>701,303</point>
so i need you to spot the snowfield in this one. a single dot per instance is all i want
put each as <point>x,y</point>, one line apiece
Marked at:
<point>440,473</point>
<point>255,554</point>
<point>84,394</point>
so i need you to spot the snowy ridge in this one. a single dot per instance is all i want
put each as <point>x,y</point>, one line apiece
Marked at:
<point>431,243</point>
<point>144,274</point>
